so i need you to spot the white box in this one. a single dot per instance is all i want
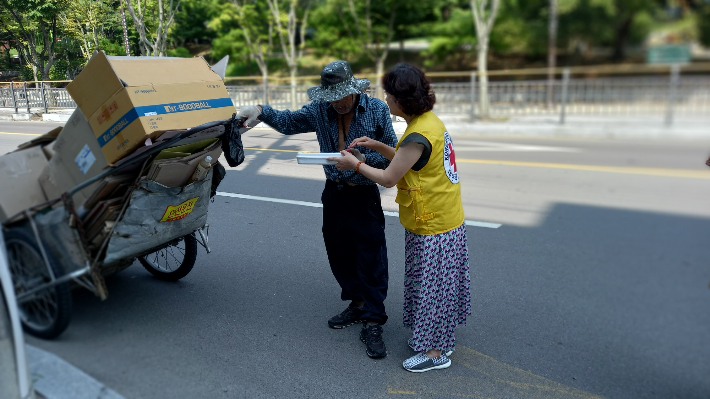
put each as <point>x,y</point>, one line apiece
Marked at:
<point>319,158</point>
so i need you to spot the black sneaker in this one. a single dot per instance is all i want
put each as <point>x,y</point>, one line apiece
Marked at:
<point>347,318</point>
<point>371,335</point>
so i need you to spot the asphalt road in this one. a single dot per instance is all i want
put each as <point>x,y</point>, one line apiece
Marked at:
<point>595,284</point>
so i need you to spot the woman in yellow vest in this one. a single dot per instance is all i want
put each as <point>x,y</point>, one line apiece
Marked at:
<point>423,167</point>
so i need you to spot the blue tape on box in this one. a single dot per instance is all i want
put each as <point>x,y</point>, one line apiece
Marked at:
<point>160,109</point>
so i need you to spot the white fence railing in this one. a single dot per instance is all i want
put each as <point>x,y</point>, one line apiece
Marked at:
<point>669,96</point>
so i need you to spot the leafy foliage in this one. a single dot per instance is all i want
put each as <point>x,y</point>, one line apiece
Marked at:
<point>56,37</point>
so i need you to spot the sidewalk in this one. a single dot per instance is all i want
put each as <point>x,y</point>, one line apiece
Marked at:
<point>601,127</point>
<point>54,378</point>
<point>576,126</point>
<point>35,114</point>
<point>581,126</point>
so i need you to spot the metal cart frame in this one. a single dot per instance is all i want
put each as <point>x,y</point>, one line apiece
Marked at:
<point>61,241</point>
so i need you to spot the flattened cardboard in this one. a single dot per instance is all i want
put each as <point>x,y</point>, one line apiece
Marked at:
<point>145,96</point>
<point>68,168</point>
<point>43,140</point>
<point>20,170</point>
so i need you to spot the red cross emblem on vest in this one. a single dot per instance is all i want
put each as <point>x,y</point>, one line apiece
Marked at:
<point>452,158</point>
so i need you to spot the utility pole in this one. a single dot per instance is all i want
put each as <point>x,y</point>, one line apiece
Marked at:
<point>125,31</point>
<point>551,53</point>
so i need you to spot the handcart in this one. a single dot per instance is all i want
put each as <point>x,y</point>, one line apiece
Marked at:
<point>161,227</point>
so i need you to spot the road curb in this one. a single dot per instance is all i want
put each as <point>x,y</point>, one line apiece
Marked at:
<point>55,117</point>
<point>21,117</point>
<point>54,378</point>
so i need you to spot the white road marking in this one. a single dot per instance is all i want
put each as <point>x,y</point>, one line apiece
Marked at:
<point>267,199</point>
<point>317,205</point>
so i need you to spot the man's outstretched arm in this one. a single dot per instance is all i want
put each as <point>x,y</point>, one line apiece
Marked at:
<point>286,122</point>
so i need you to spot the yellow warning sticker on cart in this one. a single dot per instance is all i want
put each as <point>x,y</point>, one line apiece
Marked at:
<point>177,212</point>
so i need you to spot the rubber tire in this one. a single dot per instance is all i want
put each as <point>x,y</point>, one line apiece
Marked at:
<point>182,270</point>
<point>61,291</point>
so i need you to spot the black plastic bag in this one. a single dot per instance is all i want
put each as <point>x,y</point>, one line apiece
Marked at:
<point>232,146</point>
<point>218,174</point>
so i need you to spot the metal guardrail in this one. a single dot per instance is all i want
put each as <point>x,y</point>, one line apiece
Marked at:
<point>23,98</point>
<point>624,96</point>
<point>607,96</point>
<point>671,95</point>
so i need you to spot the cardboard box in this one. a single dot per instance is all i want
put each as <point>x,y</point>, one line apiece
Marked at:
<point>20,189</point>
<point>126,99</point>
<point>76,157</point>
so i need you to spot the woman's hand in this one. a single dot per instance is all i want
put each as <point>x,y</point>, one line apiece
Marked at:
<point>366,142</point>
<point>347,162</point>
<point>371,144</point>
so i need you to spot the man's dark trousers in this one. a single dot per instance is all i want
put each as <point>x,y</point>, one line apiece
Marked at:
<point>354,235</point>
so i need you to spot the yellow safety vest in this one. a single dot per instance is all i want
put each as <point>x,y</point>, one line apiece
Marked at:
<point>430,199</point>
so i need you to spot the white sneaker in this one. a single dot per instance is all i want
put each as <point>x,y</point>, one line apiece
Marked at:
<point>420,363</point>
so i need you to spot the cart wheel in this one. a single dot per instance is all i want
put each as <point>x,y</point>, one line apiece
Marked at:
<point>174,261</point>
<point>45,314</point>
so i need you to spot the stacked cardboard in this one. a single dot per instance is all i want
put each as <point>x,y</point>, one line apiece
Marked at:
<point>125,104</point>
<point>126,99</point>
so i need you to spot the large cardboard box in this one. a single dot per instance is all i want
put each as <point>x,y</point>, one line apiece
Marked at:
<point>126,99</point>
<point>19,188</point>
<point>76,157</point>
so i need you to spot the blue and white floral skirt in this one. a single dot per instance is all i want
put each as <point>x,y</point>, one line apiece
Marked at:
<point>437,286</point>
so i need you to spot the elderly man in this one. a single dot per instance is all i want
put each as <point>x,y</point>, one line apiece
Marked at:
<point>353,221</point>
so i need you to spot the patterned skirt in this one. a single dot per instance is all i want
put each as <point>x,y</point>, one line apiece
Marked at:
<point>437,286</point>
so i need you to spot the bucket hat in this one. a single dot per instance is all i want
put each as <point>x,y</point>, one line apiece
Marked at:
<point>336,82</point>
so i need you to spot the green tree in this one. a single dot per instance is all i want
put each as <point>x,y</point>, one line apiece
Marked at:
<point>703,18</point>
<point>191,22</point>
<point>33,25</point>
<point>153,19</point>
<point>288,24</point>
<point>451,39</point>
<point>88,21</point>
<point>358,28</point>
<point>613,23</point>
<point>246,28</point>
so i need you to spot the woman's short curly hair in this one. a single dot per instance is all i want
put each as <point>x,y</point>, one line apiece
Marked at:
<point>410,87</point>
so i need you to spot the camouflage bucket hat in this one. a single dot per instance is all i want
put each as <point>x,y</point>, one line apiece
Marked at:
<point>336,82</point>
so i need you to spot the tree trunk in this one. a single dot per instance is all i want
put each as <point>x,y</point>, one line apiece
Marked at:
<point>47,67</point>
<point>401,50</point>
<point>380,71</point>
<point>483,78</point>
<point>125,31</point>
<point>484,26</point>
<point>265,78</point>
<point>294,103</point>
<point>551,52</point>
<point>622,36</point>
